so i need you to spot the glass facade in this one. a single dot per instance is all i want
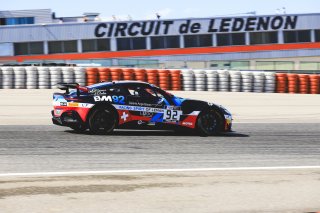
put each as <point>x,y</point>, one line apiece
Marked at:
<point>198,40</point>
<point>275,65</point>
<point>28,48</point>
<point>264,38</point>
<point>229,39</point>
<point>297,36</point>
<point>163,42</point>
<point>62,46</point>
<point>95,45</point>
<point>138,43</point>
<point>17,21</point>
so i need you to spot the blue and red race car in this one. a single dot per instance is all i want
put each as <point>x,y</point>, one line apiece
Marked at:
<point>106,106</point>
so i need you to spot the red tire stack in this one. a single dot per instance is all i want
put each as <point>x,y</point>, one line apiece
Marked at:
<point>92,75</point>
<point>152,77</point>
<point>175,76</point>
<point>104,74</point>
<point>164,79</point>
<point>314,84</point>
<point>140,75</point>
<point>282,82</point>
<point>304,83</point>
<point>293,86</point>
<point>116,74</point>
<point>127,74</point>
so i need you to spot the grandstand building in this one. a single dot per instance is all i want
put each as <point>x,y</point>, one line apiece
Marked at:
<point>267,42</point>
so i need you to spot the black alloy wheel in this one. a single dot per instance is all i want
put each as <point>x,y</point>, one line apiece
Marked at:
<point>102,121</point>
<point>209,123</point>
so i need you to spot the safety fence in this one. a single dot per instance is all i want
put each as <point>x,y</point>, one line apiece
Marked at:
<point>188,80</point>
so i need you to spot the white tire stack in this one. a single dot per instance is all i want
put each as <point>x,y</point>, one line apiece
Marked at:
<point>212,80</point>
<point>32,77</point>
<point>235,81</point>
<point>247,81</point>
<point>0,78</point>
<point>68,75</point>
<point>188,80</point>
<point>55,76</point>
<point>19,77</point>
<point>200,80</point>
<point>223,80</point>
<point>258,81</point>
<point>80,75</point>
<point>43,78</point>
<point>7,78</point>
<point>270,82</point>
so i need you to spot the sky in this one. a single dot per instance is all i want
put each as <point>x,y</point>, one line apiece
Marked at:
<point>146,9</point>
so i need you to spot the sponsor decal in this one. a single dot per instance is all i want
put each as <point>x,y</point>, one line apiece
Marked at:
<point>98,92</point>
<point>140,122</point>
<point>73,104</point>
<point>113,99</point>
<point>172,115</point>
<point>124,116</point>
<point>63,103</point>
<point>217,25</point>
<point>187,123</point>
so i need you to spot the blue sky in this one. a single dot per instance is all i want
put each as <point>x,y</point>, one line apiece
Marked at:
<point>146,9</point>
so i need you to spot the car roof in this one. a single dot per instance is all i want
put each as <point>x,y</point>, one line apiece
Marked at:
<point>123,83</point>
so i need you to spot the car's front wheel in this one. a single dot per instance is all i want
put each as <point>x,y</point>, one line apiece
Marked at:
<point>209,123</point>
<point>102,121</point>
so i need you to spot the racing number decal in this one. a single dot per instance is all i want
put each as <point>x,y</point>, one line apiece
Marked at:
<point>171,115</point>
<point>118,99</point>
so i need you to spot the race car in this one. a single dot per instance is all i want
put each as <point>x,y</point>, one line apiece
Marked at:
<point>106,106</point>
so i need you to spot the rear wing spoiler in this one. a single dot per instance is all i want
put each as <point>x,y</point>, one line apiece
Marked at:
<point>68,86</point>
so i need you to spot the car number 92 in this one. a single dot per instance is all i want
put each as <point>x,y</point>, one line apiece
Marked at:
<point>171,115</point>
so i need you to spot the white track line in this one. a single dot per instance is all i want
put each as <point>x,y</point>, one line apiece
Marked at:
<point>157,171</point>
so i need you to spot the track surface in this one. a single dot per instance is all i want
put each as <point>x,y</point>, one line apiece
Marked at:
<point>50,149</point>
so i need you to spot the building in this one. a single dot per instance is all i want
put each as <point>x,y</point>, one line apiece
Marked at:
<point>268,42</point>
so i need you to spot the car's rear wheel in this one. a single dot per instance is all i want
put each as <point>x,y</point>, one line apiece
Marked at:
<point>102,121</point>
<point>209,123</point>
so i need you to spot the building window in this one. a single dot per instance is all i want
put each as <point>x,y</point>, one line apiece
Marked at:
<point>95,45</point>
<point>264,38</point>
<point>62,46</point>
<point>28,48</point>
<point>317,35</point>
<point>163,42</point>
<point>235,65</point>
<point>138,43</point>
<point>229,39</point>
<point>297,36</point>
<point>309,65</point>
<point>275,65</point>
<point>198,40</point>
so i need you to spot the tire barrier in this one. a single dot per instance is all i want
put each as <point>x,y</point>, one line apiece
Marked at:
<point>19,77</point>
<point>235,81</point>
<point>258,82</point>
<point>55,77</point>
<point>314,84</point>
<point>292,83</point>
<point>104,74</point>
<point>187,80</point>
<point>175,76</point>
<point>247,81</point>
<point>223,80</point>
<point>128,74</point>
<point>164,79</point>
<point>212,80</point>
<point>140,75</point>
<point>200,80</point>
<point>152,77</point>
<point>303,84</point>
<point>270,82</point>
<point>68,75</point>
<point>7,78</point>
<point>80,75</point>
<point>92,75</point>
<point>34,77</point>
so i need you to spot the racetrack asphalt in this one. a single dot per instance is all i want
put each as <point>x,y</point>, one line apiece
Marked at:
<point>51,148</point>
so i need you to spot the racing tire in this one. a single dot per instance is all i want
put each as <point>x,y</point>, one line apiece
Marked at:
<point>209,123</point>
<point>102,121</point>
